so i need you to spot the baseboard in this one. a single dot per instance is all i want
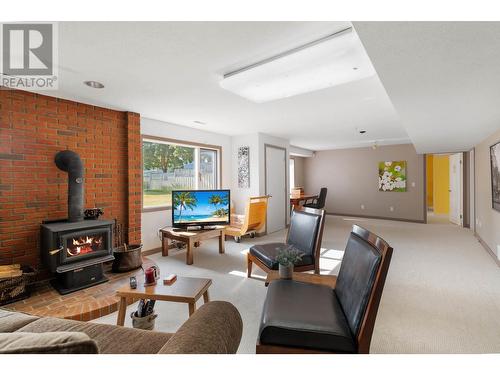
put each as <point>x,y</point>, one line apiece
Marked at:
<point>377,217</point>
<point>152,251</point>
<point>488,249</point>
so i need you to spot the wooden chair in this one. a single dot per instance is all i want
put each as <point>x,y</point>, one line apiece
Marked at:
<point>305,233</point>
<point>364,324</point>
<point>253,221</point>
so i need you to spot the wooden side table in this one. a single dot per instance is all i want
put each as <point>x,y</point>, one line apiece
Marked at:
<point>191,238</point>
<point>184,289</point>
<point>312,278</point>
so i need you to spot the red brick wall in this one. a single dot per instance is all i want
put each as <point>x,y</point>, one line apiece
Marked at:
<point>33,128</point>
<point>135,177</point>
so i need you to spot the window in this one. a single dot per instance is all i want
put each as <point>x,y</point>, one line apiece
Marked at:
<point>208,168</point>
<point>170,165</point>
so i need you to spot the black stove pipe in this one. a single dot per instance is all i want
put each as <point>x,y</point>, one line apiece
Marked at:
<point>70,162</point>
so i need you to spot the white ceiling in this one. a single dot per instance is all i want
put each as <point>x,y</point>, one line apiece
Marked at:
<point>442,77</point>
<point>170,71</point>
<point>443,80</point>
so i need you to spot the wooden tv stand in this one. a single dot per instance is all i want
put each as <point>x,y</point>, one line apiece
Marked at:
<point>191,238</point>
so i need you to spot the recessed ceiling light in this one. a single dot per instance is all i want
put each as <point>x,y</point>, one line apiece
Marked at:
<point>199,122</point>
<point>94,84</point>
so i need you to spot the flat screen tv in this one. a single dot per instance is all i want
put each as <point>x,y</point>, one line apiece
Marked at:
<point>200,208</point>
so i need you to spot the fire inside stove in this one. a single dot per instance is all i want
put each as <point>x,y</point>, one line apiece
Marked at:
<point>84,245</point>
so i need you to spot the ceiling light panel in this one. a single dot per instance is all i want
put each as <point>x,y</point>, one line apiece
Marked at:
<point>321,64</point>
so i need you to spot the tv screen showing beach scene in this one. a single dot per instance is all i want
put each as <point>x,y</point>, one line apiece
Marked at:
<point>200,207</point>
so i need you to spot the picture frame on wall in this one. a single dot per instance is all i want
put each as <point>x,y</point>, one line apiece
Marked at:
<point>495,176</point>
<point>244,167</point>
<point>392,176</point>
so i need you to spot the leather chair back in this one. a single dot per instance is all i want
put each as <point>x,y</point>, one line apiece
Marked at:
<point>356,278</point>
<point>322,198</point>
<point>306,229</point>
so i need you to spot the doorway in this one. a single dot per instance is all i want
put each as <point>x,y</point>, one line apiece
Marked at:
<point>445,190</point>
<point>276,186</point>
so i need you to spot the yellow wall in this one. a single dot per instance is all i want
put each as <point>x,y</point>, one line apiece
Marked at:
<point>441,179</point>
<point>429,167</point>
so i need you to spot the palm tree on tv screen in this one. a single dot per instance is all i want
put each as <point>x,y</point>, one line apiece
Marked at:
<point>221,212</point>
<point>216,200</point>
<point>224,199</point>
<point>183,201</point>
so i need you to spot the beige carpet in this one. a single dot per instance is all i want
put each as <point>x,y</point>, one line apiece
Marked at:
<point>442,293</point>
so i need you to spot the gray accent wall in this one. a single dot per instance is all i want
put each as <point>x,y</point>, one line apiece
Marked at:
<point>351,176</point>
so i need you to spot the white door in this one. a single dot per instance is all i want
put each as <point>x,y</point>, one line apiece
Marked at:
<point>276,166</point>
<point>456,188</point>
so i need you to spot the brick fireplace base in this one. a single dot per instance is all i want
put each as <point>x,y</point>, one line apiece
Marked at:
<point>83,305</point>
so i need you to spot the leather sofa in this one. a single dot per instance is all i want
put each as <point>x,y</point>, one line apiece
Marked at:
<point>215,328</point>
<point>300,317</point>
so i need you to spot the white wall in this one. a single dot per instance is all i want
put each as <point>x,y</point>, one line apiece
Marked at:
<point>152,221</point>
<point>239,196</point>
<point>487,219</point>
<point>256,142</point>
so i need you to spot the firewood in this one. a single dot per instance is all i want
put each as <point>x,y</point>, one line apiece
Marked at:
<point>10,267</point>
<point>9,274</point>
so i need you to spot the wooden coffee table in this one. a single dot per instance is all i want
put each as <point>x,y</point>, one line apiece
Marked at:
<point>312,278</point>
<point>184,289</point>
<point>191,238</point>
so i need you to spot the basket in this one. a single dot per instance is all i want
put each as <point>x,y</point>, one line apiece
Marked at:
<point>17,288</point>
<point>127,258</point>
<point>146,322</point>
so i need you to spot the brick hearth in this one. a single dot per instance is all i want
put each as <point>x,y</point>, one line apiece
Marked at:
<point>83,305</point>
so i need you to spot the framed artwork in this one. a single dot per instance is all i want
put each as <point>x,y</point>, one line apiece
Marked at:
<point>244,167</point>
<point>392,176</point>
<point>495,176</point>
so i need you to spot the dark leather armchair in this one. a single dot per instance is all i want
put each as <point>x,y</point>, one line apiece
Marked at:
<point>303,317</point>
<point>305,233</point>
<point>318,203</point>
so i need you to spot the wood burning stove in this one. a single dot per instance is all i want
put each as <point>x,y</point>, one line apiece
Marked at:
<point>75,249</point>
<point>75,252</point>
